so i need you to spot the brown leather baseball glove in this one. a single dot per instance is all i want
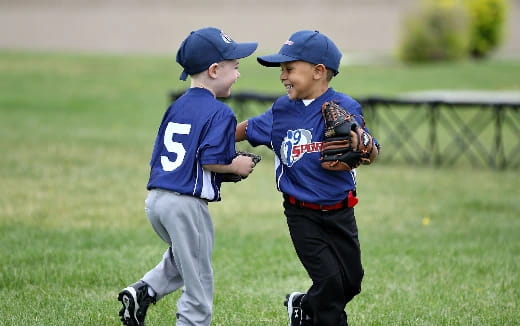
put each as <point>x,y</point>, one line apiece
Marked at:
<point>346,145</point>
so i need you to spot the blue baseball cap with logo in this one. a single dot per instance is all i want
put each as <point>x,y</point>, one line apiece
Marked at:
<point>209,45</point>
<point>309,46</point>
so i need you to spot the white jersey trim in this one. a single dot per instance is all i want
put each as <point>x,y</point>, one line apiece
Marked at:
<point>277,164</point>
<point>207,187</point>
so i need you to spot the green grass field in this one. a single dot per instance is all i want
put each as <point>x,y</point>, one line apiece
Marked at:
<point>440,246</point>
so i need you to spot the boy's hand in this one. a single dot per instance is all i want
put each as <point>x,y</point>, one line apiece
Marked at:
<point>244,163</point>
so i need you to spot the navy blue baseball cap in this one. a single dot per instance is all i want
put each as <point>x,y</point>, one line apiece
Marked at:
<point>209,45</point>
<point>309,46</point>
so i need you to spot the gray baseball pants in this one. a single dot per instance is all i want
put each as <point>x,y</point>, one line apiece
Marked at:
<point>184,223</point>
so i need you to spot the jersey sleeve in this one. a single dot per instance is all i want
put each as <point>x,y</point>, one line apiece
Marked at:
<point>218,140</point>
<point>259,129</point>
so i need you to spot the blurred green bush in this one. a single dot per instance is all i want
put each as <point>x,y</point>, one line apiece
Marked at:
<point>448,30</point>
<point>435,33</point>
<point>487,20</point>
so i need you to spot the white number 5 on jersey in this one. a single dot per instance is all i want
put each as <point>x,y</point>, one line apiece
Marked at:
<point>174,147</point>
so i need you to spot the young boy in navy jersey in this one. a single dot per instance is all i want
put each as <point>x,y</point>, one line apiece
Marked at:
<point>194,144</point>
<point>318,203</point>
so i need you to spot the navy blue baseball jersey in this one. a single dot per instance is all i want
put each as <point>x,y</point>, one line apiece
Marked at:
<point>197,129</point>
<point>295,133</point>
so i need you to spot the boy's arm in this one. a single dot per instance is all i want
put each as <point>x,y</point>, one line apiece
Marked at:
<point>241,165</point>
<point>240,132</point>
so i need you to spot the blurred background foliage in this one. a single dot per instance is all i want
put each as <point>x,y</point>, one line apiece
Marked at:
<point>447,30</point>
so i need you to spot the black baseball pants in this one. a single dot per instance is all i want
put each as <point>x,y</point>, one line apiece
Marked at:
<point>327,245</point>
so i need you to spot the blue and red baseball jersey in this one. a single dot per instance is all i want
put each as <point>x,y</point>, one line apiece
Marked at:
<point>295,133</point>
<point>197,129</point>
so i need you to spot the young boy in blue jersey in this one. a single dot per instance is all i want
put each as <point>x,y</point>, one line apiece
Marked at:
<point>318,203</point>
<point>194,145</point>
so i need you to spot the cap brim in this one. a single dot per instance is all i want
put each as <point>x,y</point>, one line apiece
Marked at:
<point>242,50</point>
<point>274,60</point>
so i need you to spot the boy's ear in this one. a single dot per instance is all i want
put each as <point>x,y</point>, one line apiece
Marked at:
<point>320,70</point>
<point>212,70</point>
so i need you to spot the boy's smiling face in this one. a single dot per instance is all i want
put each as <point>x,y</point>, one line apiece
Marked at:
<point>301,79</point>
<point>227,75</point>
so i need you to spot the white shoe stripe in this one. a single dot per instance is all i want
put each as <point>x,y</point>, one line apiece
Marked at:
<point>133,293</point>
<point>290,306</point>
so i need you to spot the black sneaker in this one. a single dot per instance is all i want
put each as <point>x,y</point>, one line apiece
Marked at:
<point>293,302</point>
<point>135,300</point>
